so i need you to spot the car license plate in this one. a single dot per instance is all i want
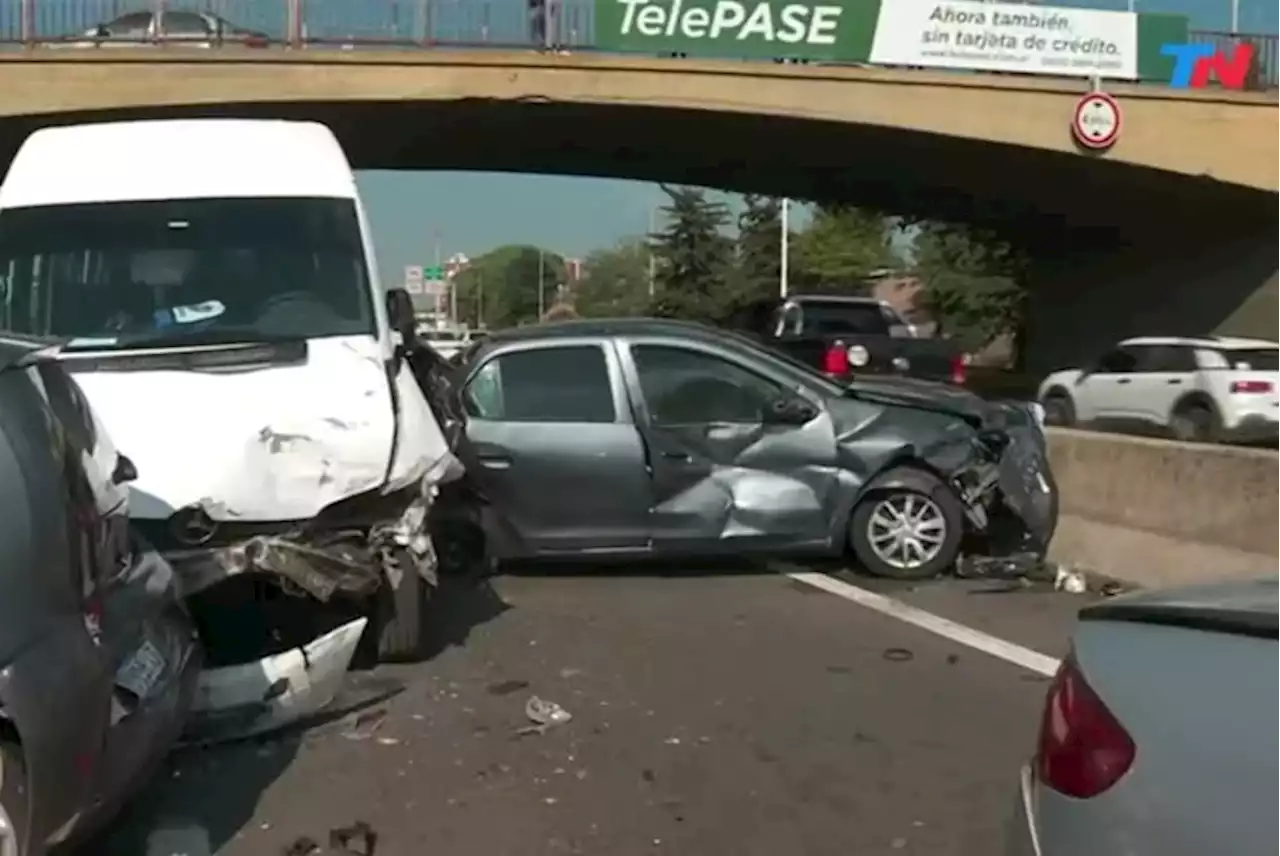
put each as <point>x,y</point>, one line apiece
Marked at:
<point>140,672</point>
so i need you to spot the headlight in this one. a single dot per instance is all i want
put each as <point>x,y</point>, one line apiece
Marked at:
<point>1037,410</point>
<point>858,356</point>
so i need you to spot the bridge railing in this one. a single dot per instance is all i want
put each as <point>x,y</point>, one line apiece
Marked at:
<point>359,24</point>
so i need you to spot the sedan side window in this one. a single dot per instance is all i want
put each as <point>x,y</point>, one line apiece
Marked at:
<point>1169,359</point>
<point>686,387</point>
<point>567,383</point>
<point>1119,361</point>
<point>132,26</point>
<point>184,24</point>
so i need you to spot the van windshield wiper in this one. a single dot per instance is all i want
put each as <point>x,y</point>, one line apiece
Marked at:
<point>247,336</point>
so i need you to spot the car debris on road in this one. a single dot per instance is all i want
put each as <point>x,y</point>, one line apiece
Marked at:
<point>544,715</point>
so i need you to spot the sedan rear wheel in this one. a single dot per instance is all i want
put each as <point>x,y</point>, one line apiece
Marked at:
<point>907,532</point>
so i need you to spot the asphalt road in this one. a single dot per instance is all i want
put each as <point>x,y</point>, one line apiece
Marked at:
<point>716,713</point>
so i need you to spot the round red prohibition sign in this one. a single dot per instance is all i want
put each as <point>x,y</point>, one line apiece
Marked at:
<point>1096,121</point>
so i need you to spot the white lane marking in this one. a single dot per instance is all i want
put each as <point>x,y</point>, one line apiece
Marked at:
<point>946,628</point>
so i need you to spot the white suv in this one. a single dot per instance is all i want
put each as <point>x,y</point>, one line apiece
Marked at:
<point>1207,389</point>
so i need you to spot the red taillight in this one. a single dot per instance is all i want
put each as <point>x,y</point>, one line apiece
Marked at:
<point>1250,386</point>
<point>836,360</point>
<point>256,41</point>
<point>1084,749</point>
<point>959,367</point>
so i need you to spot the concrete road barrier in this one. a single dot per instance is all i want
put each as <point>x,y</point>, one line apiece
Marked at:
<point>1155,512</point>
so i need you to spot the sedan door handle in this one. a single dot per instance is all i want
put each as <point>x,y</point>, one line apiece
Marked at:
<point>1173,381</point>
<point>494,461</point>
<point>677,456</point>
<point>1123,380</point>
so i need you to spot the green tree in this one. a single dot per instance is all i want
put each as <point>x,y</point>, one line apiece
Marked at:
<point>615,281</point>
<point>759,266</point>
<point>974,281</point>
<point>693,256</point>
<point>500,288</point>
<point>840,248</point>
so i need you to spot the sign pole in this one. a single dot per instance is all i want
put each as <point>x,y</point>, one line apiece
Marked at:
<point>542,269</point>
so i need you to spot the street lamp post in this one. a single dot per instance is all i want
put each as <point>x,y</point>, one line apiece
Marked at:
<point>785,248</point>
<point>653,227</point>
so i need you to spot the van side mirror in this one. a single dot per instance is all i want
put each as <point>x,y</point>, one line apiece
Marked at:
<point>125,470</point>
<point>400,314</point>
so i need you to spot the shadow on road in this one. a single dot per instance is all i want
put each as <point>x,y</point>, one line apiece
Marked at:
<point>642,567</point>
<point>198,801</point>
<point>203,797</point>
<point>459,606</point>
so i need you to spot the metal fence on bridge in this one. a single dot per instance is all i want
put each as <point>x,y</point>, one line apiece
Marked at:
<point>364,24</point>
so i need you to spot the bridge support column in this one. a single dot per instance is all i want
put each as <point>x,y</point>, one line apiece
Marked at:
<point>1198,280</point>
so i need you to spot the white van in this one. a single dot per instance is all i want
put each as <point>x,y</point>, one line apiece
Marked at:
<point>214,284</point>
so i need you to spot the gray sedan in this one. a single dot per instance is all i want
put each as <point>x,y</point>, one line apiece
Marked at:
<point>645,436</point>
<point>1159,730</point>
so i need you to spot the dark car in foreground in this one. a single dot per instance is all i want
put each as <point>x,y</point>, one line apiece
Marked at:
<point>842,335</point>
<point>98,659</point>
<point>1159,731</point>
<point>643,436</point>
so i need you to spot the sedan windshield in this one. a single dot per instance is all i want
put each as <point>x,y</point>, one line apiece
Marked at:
<point>173,272</point>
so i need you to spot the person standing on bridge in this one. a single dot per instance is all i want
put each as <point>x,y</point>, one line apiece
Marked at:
<point>538,23</point>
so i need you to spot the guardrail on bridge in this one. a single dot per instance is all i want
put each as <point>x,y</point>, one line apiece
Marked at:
<point>363,24</point>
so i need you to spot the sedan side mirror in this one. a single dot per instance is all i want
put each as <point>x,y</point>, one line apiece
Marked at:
<point>400,314</point>
<point>788,411</point>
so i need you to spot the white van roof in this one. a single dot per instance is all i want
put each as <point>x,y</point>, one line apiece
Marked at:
<point>177,159</point>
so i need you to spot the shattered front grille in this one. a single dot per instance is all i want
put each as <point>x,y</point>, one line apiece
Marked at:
<point>159,535</point>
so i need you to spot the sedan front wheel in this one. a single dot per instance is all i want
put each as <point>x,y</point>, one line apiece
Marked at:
<point>909,532</point>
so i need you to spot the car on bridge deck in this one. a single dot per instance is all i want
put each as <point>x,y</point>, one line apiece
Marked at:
<point>1159,730</point>
<point>176,26</point>
<point>658,437</point>
<point>1204,389</point>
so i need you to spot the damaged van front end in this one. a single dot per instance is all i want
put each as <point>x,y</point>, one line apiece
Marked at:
<point>233,336</point>
<point>299,528</point>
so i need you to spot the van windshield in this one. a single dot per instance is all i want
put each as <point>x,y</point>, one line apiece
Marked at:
<point>116,275</point>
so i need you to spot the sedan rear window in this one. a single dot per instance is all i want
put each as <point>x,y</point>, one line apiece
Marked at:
<point>567,384</point>
<point>1244,359</point>
<point>843,317</point>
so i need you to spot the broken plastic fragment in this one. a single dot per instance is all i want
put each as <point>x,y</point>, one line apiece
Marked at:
<point>1072,582</point>
<point>544,714</point>
<point>365,724</point>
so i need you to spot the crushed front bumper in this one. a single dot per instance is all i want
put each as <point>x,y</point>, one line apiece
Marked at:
<point>284,672</point>
<point>313,561</point>
<point>1009,491</point>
